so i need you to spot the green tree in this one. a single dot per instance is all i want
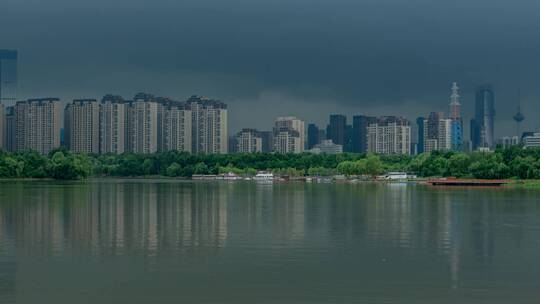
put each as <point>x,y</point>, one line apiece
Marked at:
<point>491,166</point>
<point>349,168</point>
<point>373,165</point>
<point>525,167</point>
<point>458,165</point>
<point>69,167</point>
<point>11,167</point>
<point>174,170</point>
<point>200,168</point>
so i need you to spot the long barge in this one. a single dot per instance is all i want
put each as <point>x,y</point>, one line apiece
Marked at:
<point>466,182</point>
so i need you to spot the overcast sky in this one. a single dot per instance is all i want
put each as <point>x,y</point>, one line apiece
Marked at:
<point>266,58</point>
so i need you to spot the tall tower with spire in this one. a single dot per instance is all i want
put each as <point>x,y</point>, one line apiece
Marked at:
<point>455,117</point>
<point>455,104</point>
<point>519,118</point>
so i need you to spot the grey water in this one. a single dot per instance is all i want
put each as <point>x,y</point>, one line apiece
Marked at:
<point>167,241</point>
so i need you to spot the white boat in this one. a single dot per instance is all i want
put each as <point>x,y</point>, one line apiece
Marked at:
<point>396,176</point>
<point>264,176</point>
<point>231,176</point>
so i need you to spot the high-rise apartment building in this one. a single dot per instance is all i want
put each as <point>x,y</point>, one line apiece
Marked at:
<point>249,141</point>
<point>2,127</point>
<point>174,126</point>
<point>359,133</point>
<point>289,135</point>
<point>483,123</point>
<point>389,135</point>
<point>37,125</point>
<point>337,129</point>
<point>81,126</point>
<point>112,125</point>
<point>9,129</point>
<point>437,133</point>
<point>8,76</point>
<point>209,125</point>
<point>142,124</point>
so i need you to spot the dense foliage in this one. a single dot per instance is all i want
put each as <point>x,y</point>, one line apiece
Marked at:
<point>61,164</point>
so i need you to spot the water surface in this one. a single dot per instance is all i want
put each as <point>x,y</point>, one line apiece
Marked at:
<point>164,241</point>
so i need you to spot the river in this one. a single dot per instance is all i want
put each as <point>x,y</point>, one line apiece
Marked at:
<point>167,241</point>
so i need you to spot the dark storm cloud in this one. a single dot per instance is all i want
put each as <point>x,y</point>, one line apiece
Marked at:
<point>284,56</point>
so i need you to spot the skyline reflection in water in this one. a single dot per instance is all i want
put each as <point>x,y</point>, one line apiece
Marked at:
<point>274,242</point>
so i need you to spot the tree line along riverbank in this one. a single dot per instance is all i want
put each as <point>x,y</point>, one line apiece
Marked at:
<point>513,162</point>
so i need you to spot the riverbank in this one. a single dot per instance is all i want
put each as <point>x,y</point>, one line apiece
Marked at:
<point>525,184</point>
<point>62,164</point>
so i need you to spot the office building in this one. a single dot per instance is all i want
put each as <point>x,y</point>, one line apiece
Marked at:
<point>112,125</point>
<point>326,147</point>
<point>209,125</point>
<point>267,138</point>
<point>483,123</point>
<point>348,146</point>
<point>322,134</point>
<point>359,136</point>
<point>233,144</point>
<point>337,129</point>
<point>531,141</point>
<point>389,135</point>
<point>142,124</point>
<point>313,135</point>
<point>37,125</point>
<point>174,126</point>
<point>9,129</point>
<point>81,126</point>
<point>8,77</point>
<point>248,141</point>
<point>437,133</point>
<point>289,135</point>
<point>420,122</point>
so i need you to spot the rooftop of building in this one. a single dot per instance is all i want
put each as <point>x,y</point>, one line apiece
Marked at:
<point>112,98</point>
<point>40,100</point>
<point>393,119</point>
<point>82,101</point>
<point>206,102</point>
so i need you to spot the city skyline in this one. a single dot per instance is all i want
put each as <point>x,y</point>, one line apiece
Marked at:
<point>323,122</point>
<point>337,122</point>
<point>337,57</point>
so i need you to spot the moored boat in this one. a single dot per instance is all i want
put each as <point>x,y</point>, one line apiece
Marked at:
<point>452,181</point>
<point>264,176</point>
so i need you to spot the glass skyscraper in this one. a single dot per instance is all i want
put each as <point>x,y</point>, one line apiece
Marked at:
<point>8,76</point>
<point>483,124</point>
<point>337,128</point>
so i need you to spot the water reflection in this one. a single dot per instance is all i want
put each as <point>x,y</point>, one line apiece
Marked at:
<point>104,217</point>
<point>323,224</point>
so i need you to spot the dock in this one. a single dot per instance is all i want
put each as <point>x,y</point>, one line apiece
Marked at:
<point>466,182</point>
